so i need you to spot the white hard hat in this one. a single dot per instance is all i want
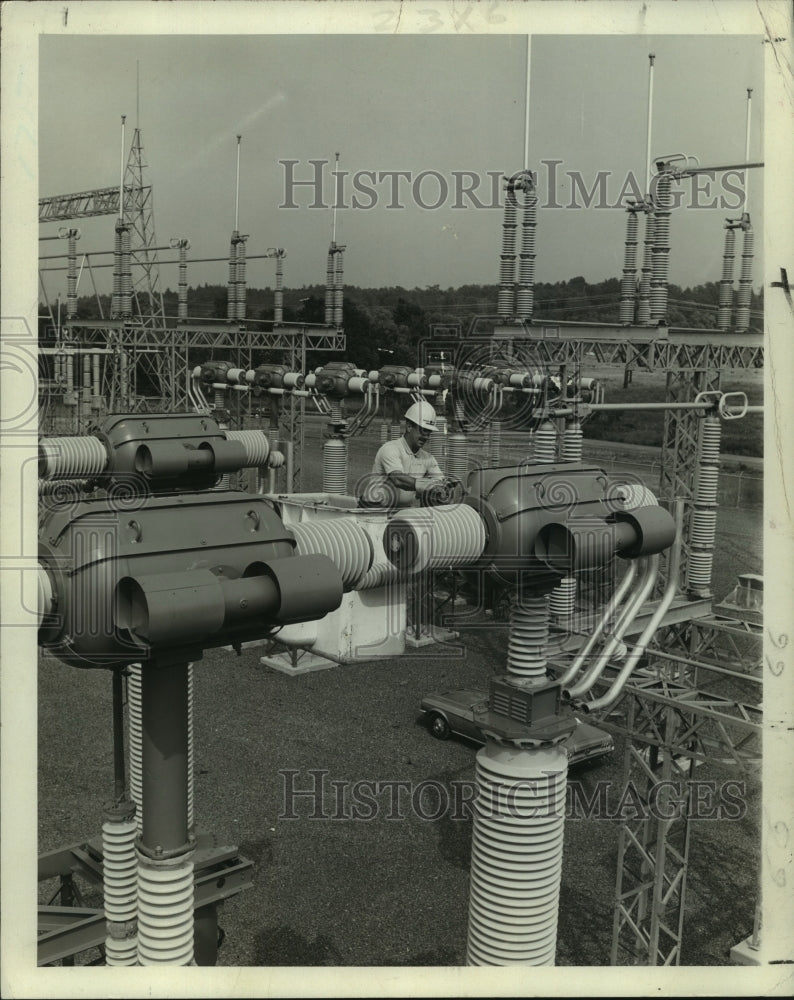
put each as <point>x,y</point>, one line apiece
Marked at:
<point>423,415</point>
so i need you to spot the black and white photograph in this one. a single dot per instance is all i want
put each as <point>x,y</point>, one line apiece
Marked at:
<point>396,535</point>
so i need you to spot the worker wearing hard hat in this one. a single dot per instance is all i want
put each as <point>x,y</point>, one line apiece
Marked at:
<point>402,468</point>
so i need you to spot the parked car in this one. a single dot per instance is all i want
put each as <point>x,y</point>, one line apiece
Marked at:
<point>455,712</point>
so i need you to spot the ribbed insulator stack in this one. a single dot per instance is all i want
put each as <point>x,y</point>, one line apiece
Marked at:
<point>218,397</point>
<point>703,524</point>
<point>457,457</point>
<point>165,912</point>
<point>115,302</point>
<point>507,259</point>
<point>120,889</point>
<point>644,301</point>
<point>545,447</point>
<point>240,283</point>
<point>182,304</point>
<point>562,603</point>
<point>70,374</point>
<point>419,538</point>
<point>335,415</point>
<point>633,495</point>
<point>256,444</point>
<point>71,274</point>
<point>71,457</point>
<point>135,738</point>
<point>339,290</point>
<point>525,294</point>
<point>437,441</point>
<point>231,292</point>
<point>345,543</point>
<point>278,297</point>
<point>396,431</point>
<point>329,287</point>
<point>335,466</point>
<point>126,273</point>
<point>86,385</point>
<point>572,442</point>
<point>385,432</point>
<point>628,283</point>
<point>743,296</point>
<point>516,855</point>
<point>494,442</point>
<point>726,284</point>
<point>527,645</point>
<point>124,384</point>
<point>660,263</point>
<point>63,490</point>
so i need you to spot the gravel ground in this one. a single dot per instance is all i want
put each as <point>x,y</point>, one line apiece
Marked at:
<point>340,892</point>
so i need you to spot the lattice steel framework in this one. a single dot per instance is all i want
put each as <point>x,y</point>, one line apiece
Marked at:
<point>692,702</point>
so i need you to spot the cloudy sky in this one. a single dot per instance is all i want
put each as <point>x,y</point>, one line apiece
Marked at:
<point>448,108</point>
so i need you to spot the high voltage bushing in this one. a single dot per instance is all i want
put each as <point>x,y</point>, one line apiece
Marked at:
<point>745,279</point>
<point>525,292</point>
<point>628,284</point>
<point>517,845</point>
<point>135,739</point>
<point>240,292</point>
<point>69,457</point>
<point>572,442</point>
<point>231,291</point>
<point>126,273</point>
<point>329,287</point>
<point>72,236</point>
<point>562,602</point>
<point>457,457</point>
<point>345,543</point>
<point>507,260</point>
<point>726,283</point>
<point>703,523</point>
<point>644,300</point>
<point>430,538</point>
<point>528,638</point>
<point>545,446</point>
<point>436,444</point>
<point>335,466</point>
<point>661,249</point>
<point>119,884</point>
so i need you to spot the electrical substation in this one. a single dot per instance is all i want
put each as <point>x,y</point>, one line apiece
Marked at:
<point>207,508</point>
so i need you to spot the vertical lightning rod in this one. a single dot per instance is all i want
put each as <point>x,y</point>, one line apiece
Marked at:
<point>526,106</point>
<point>237,188</point>
<point>651,58</point>
<point>121,179</point>
<point>747,150</point>
<point>336,201</point>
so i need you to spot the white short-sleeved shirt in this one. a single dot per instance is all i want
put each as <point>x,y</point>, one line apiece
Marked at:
<point>396,456</point>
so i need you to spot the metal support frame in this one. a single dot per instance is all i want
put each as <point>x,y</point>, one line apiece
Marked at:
<point>66,930</point>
